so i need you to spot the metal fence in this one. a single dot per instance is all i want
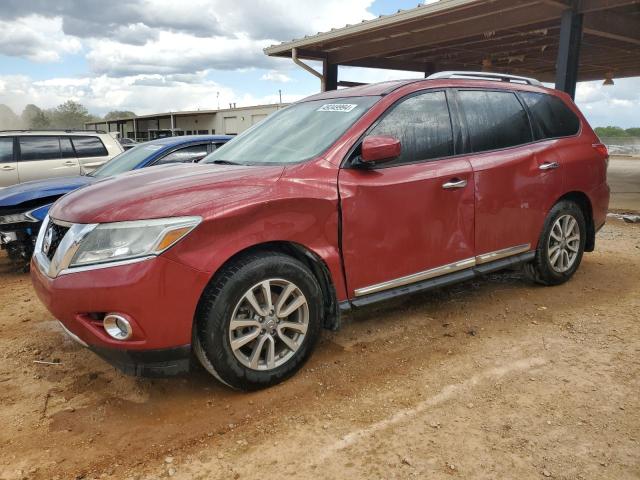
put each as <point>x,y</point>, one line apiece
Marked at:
<point>622,145</point>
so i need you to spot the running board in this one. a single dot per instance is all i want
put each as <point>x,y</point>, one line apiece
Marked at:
<point>480,268</point>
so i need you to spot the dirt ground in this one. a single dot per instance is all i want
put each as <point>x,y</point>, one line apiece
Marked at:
<point>494,378</point>
<point>624,179</point>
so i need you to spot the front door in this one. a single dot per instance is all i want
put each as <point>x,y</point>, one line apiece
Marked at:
<point>411,215</point>
<point>8,164</point>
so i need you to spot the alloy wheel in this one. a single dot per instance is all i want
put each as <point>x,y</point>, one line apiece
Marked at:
<point>269,324</point>
<point>564,243</point>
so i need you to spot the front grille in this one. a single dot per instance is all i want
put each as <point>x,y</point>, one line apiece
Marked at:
<point>54,235</point>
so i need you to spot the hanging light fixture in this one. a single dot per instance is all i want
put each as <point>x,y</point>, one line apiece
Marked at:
<point>608,79</point>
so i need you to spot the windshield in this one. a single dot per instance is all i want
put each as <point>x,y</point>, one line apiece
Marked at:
<point>294,134</point>
<point>126,161</point>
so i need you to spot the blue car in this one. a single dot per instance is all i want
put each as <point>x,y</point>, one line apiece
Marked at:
<point>24,206</point>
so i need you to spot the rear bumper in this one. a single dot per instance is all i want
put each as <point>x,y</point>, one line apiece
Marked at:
<point>600,205</point>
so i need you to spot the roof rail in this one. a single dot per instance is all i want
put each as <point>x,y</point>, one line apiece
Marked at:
<point>65,130</point>
<point>485,76</point>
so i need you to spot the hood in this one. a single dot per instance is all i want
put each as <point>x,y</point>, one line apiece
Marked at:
<point>52,187</point>
<point>164,191</point>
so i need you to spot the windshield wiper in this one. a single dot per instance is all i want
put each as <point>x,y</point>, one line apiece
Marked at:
<point>224,162</point>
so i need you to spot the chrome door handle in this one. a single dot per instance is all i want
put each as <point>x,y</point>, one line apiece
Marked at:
<point>454,184</point>
<point>7,167</point>
<point>548,165</point>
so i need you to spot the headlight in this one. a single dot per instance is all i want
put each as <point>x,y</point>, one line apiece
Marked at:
<point>112,242</point>
<point>17,218</point>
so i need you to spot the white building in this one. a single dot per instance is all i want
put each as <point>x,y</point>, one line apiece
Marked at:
<point>222,122</point>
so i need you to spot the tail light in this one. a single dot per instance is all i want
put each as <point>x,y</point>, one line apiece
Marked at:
<point>601,148</point>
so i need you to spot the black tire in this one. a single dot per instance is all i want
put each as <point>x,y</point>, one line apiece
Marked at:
<point>212,344</point>
<point>541,270</point>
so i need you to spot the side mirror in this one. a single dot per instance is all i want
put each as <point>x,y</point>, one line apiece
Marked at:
<point>380,149</point>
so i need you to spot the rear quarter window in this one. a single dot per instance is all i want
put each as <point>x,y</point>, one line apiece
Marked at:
<point>551,117</point>
<point>89,147</point>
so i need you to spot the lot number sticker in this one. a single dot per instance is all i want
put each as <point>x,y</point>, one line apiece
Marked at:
<point>337,107</point>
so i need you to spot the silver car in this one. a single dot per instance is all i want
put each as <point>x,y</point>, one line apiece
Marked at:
<point>27,155</point>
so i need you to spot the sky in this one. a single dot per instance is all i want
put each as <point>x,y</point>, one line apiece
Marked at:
<point>152,56</point>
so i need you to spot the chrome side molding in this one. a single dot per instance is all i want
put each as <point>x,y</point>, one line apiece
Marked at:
<point>505,252</point>
<point>443,270</point>
<point>417,277</point>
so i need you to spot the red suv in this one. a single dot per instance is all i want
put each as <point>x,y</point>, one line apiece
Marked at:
<point>343,199</point>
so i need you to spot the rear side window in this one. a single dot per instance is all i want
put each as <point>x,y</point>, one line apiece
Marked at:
<point>494,119</point>
<point>184,155</point>
<point>66,149</point>
<point>423,126</point>
<point>551,117</point>
<point>39,148</point>
<point>6,149</point>
<point>89,147</point>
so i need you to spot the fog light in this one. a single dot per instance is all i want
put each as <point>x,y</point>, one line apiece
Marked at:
<point>117,326</point>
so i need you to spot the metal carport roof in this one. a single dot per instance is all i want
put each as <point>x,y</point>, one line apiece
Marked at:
<point>525,37</point>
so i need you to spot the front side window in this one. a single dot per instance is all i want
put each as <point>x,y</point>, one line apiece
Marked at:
<point>89,147</point>
<point>552,118</point>
<point>6,149</point>
<point>39,148</point>
<point>495,119</point>
<point>127,161</point>
<point>184,155</point>
<point>294,134</point>
<point>423,126</point>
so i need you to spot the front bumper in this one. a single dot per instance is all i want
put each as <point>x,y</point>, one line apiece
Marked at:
<point>158,296</point>
<point>7,237</point>
<point>146,363</point>
<point>149,363</point>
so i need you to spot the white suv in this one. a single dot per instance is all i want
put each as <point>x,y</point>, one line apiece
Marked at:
<point>34,155</point>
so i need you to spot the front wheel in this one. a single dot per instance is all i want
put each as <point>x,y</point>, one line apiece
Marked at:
<point>560,246</point>
<point>259,321</point>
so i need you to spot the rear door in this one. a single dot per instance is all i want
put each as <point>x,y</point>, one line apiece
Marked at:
<point>90,151</point>
<point>41,157</point>
<point>412,218</point>
<point>8,164</point>
<point>513,186</point>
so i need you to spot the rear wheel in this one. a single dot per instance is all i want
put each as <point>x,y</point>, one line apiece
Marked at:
<point>259,322</point>
<point>561,245</point>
